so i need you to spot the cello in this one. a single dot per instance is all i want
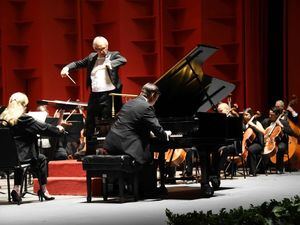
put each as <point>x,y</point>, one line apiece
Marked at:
<point>248,136</point>
<point>273,131</point>
<point>175,157</point>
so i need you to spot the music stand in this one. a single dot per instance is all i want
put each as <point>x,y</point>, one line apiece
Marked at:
<point>52,120</point>
<point>77,125</point>
<point>39,116</point>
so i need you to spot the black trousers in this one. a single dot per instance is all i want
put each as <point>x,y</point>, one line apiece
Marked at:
<point>147,179</point>
<point>254,151</point>
<point>39,168</point>
<point>99,106</point>
<point>220,157</point>
<point>282,148</point>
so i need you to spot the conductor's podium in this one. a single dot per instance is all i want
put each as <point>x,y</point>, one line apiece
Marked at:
<point>66,177</point>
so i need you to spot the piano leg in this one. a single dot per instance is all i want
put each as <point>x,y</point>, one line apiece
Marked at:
<point>214,174</point>
<point>91,146</point>
<point>162,170</point>
<point>206,190</point>
<point>162,173</point>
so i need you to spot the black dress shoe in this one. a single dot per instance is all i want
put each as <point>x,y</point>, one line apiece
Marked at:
<point>252,174</point>
<point>215,182</point>
<point>171,181</point>
<point>16,197</point>
<point>279,172</point>
<point>206,191</point>
<point>157,193</point>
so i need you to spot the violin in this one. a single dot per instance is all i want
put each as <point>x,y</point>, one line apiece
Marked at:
<point>233,111</point>
<point>233,108</point>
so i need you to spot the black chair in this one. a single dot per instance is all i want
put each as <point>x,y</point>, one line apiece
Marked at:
<point>9,160</point>
<point>235,160</point>
<point>105,166</point>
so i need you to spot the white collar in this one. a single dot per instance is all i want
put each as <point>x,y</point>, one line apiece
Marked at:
<point>144,98</point>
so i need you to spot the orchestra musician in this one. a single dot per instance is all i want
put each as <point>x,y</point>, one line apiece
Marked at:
<point>214,161</point>
<point>277,116</point>
<point>291,113</point>
<point>102,78</point>
<point>253,139</point>
<point>130,134</point>
<point>220,156</point>
<point>25,129</point>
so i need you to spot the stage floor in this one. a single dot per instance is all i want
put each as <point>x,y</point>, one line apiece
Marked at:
<point>182,198</point>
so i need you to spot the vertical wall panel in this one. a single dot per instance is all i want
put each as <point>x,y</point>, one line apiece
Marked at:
<point>293,50</point>
<point>42,36</point>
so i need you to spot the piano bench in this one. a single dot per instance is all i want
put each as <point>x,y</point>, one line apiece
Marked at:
<point>118,166</point>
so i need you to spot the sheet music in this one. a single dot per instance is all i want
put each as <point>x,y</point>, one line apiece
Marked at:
<point>39,116</point>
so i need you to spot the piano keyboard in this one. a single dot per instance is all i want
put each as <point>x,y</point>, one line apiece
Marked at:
<point>176,135</point>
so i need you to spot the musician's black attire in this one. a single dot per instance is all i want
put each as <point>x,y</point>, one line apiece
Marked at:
<point>254,148</point>
<point>293,118</point>
<point>281,141</point>
<point>130,134</point>
<point>100,103</point>
<point>2,108</point>
<point>219,158</point>
<point>25,135</point>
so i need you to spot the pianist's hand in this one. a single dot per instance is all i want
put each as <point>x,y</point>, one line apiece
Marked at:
<point>168,133</point>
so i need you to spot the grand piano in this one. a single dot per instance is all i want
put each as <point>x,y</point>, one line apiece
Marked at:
<point>188,107</point>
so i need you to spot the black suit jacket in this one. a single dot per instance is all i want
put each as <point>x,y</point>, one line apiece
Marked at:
<point>25,135</point>
<point>88,62</point>
<point>130,133</point>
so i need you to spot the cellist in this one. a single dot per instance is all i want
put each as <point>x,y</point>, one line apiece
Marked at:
<point>253,140</point>
<point>282,138</point>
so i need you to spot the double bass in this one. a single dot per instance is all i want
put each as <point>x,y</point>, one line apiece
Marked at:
<point>293,146</point>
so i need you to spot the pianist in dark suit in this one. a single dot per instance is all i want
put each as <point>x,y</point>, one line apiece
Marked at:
<point>131,132</point>
<point>25,129</point>
<point>102,78</point>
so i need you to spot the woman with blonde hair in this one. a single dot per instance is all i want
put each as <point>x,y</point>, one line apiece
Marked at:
<point>25,128</point>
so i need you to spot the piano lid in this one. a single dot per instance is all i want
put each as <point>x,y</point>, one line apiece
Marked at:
<point>185,89</point>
